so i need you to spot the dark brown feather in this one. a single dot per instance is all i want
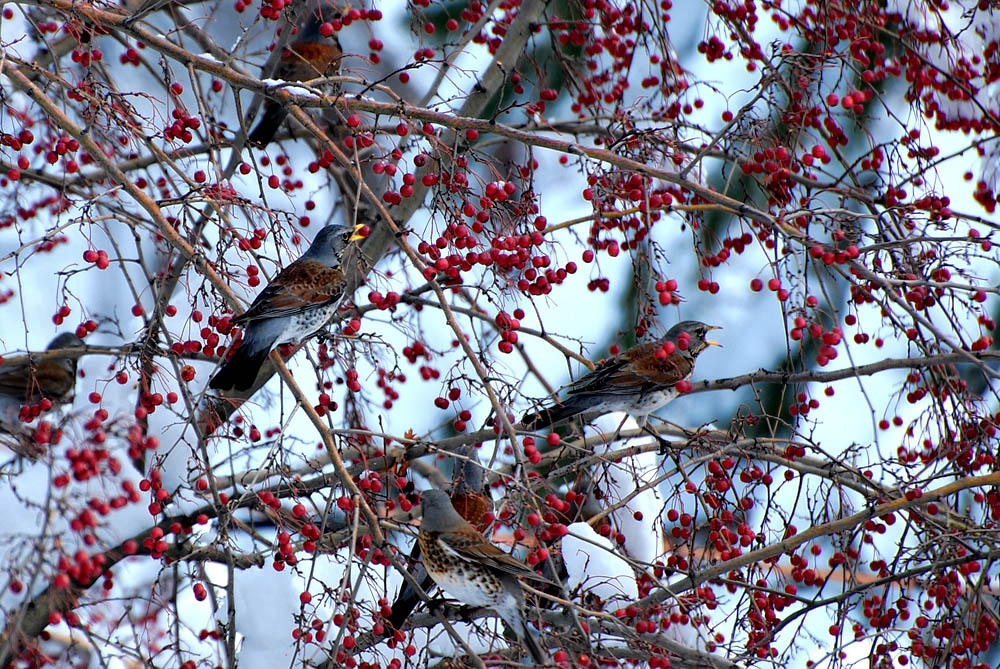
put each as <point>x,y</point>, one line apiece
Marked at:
<point>302,285</point>
<point>665,372</point>
<point>635,370</point>
<point>54,379</point>
<point>472,546</point>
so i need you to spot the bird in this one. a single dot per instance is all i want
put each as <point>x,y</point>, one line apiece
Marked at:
<point>470,498</point>
<point>52,378</point>
<point>638,381</point>
<point>471,569</point>
<point>298,302</point>
<point>24,384</point>
<point>308,54</point>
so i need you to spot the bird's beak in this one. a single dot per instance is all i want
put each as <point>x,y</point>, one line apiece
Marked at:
<point>710,342</point>
<point>356,235</point>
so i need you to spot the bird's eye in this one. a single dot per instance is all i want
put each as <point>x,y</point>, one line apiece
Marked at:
<point>346,236</point>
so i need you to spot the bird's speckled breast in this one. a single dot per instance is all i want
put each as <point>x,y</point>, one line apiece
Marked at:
<point>460,579</point>
<point>309,321</point>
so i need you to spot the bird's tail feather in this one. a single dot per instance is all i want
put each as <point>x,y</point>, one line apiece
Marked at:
<point>268,125</point>
<point>549,416</point>
<point>407,599</point>
<point>240,371</point>
<point>530,638</point>
<point>403,606</point>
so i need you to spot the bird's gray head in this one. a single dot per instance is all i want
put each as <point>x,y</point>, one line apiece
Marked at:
<point>695,332</point>
<point>331,242</point>
<point>438,513</point>
<point>64,340</point>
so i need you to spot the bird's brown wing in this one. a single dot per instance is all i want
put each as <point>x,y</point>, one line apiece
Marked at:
<point>53,378</point>
<point>664,371</point>
<point>305,284</point>
<point>599,379</point>
<point>15,380</point>
<point>472,546</point>
<point>635,370</point>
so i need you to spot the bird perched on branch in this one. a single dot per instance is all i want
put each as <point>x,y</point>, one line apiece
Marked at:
<point>471,569</point>
<point>312,51</point>
<point>297,303</point>
<point>638,381</point>
<point>52,378</point>
<point>25,386</point>
<point>470,498</point>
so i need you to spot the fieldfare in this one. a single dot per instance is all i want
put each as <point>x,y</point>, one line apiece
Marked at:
<point>471,569</point>
<point>50,378</point>
<point>23,385</point>
<point>638,381</point>
<point>307,55</point>
<point>470,497</point>
<point>298,302</point>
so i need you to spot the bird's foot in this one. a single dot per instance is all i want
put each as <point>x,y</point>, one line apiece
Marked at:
<point>663,443</point>
<point>467,613</point>
<point>435,605</point>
